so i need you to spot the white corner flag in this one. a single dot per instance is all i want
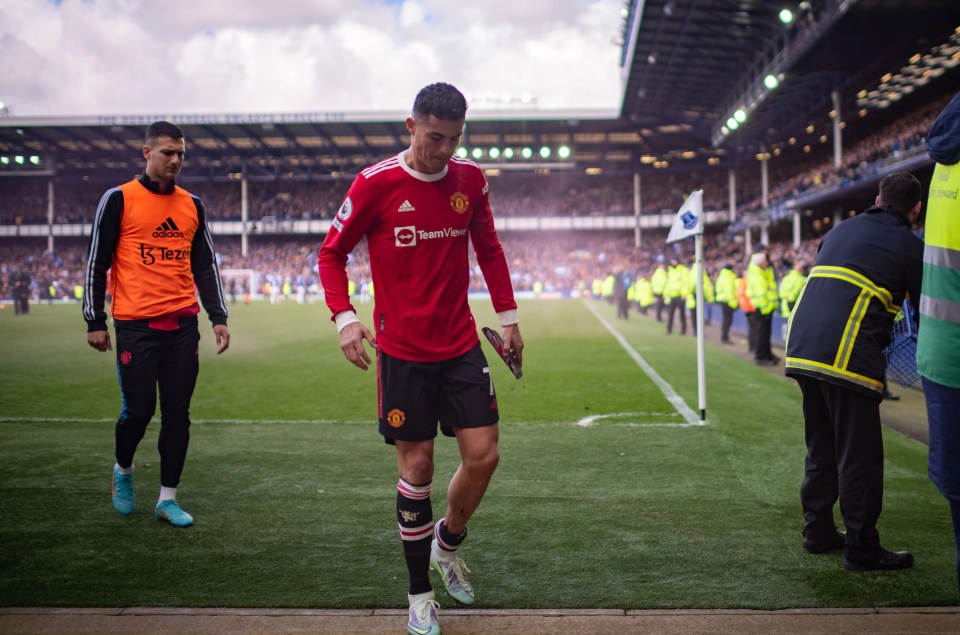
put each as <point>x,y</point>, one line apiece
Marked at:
<point>689,220</point>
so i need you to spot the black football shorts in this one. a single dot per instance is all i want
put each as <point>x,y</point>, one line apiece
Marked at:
<point>413,397</point>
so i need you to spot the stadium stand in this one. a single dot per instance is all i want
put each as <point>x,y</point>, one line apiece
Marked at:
<point>668,139</point>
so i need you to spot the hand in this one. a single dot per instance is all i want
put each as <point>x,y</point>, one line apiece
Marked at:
<point>512,342</point>
<point>223,337</point>
<point>351,343</point>
<point>100,340</point>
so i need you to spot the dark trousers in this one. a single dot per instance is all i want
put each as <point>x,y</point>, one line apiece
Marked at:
<point>764,323</point>
<point>659,308</point>
<point>752,331</point>
<point>726,322</point>
<point>622,306</point>
<point>943,414</point>
<point>21,303</point>
<point>677,305</point>
<point>844,462</point>
<point>148,359</point>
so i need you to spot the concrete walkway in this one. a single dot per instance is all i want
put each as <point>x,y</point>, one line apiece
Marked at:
<point>944,620</point>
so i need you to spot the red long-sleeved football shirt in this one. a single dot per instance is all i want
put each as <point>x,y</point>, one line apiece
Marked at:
<point>417,227</point>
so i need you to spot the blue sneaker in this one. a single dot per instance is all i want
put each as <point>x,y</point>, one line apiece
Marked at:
<point>169,510</point>
<point>454,573</point>
<point>423,615</point>
<point>122,491</point>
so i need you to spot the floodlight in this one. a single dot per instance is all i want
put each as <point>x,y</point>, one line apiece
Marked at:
<point>494,153</point>
<point>740,115</point>
<point>462,152</point>
<point>771,82</point>
<point>477,153</point>
<point>786,16</point>
<point>732,123</point>
<point>545,152</point>
<point>508,153</point>
<point>35,160</point>
<point>527,153</point>
<point>564,152</point>
<point>18,159</point>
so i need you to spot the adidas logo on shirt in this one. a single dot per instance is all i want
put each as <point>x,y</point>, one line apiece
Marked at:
<point>406,207</point>
<point>168,229</point>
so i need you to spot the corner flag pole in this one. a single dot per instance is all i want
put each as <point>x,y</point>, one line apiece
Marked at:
<point>689,222</point>
<point>701,352</point>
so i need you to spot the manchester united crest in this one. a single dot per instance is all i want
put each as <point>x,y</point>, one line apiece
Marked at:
<point>396,418</point>
<point>459,202</point>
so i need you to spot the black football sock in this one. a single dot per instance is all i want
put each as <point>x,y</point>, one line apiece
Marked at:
<point>415,517</point>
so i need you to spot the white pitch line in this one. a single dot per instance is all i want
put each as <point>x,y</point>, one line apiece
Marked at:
<point>192,421</point>
<point>369,422</point>
<point>691,418</point>
<point>586,422</point>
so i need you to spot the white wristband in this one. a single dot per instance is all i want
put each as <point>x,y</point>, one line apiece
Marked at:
<point>508,318</point>
<point>343,318</point>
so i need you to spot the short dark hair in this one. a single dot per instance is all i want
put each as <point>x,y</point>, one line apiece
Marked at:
<point>441,100</point>
<point>161,129</point>
<point>900,192</point>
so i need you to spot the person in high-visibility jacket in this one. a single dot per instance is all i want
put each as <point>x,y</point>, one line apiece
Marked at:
<point>606,290</point>
<point>658,283</point>
<point>762,289</point>
<point>675,294</point>
<point>938,355</point>
<point>643,292</point>
<point>865,267</point>
<point>726,292</point>
<point>596,288</point>
<point>791,285</point>
<point>692,294</point>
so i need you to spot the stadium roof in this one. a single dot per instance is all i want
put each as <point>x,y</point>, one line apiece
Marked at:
<point>687,66</point>
<point>690,64</point>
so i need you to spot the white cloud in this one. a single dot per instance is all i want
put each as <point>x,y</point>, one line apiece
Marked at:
<point>126,56</point>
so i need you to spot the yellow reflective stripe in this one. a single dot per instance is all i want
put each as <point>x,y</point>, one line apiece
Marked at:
<point>851,329</point>
<point>786,341</point>
<point>851,276</point>
<point>826,369</point>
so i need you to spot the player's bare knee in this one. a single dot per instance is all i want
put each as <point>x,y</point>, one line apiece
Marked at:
<point>417,469</point>
<point>484,463</point>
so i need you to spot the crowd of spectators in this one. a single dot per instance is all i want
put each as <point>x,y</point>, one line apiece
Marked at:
<point>556,263</point>
<point>557,193</point>
<point>860,159</point>
<point>284,268</point>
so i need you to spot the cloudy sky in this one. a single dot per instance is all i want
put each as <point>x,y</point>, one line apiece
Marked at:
<point>84,57</point>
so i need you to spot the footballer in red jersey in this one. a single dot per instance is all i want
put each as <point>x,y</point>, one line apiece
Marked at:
<point>419,211</point>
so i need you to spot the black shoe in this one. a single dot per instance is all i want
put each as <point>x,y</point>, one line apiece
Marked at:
<point>764,362</point>
<point>883,561</point>
<point>889,396</point>
<point>825,544</point>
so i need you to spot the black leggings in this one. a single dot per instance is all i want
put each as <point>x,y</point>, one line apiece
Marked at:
<point>149,358</point>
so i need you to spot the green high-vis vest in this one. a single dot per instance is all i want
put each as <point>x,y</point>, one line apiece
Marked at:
<point>939,335</point>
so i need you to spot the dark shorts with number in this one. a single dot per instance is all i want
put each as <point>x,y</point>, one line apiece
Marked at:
<point>413,397</point>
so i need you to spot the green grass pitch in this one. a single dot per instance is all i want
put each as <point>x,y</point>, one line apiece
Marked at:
<point>293,490</point>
